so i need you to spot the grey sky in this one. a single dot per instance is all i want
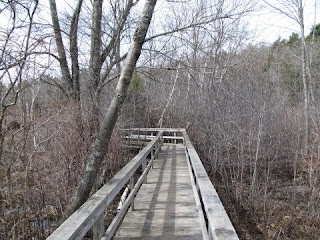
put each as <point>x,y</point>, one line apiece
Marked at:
<point>265,25</point>
<point>268,25</point>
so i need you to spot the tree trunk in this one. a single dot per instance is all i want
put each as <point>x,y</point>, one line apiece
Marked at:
<point>1,138</point>
<point>95,63</point>
<point>103,137</point>
<point>160,122</point>
<point>74,51</point>
<point>61,50</point>
<point>1,124</point>
<point>304,79</point>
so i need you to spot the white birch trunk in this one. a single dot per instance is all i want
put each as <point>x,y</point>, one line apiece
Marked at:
<point>160,122</point>
<point>103,137</point>
<point>304,78</point>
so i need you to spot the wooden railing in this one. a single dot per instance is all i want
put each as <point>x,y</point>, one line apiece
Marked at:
<point>91,213</point>
<point>145,134</point>
<point>218,223</point>
<point>215,222</point>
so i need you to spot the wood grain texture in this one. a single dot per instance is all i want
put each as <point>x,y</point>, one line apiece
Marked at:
<point>219,224</point>
<point>130,200</point>
<point>180,130</point>
<point>149,137</point>
<point>175,198</point>
<point>78,224</point>
<point>98,228</point>
<point>165,207</point>
<point>198,202</point>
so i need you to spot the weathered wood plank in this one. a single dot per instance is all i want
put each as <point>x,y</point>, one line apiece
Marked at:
<point>131,189</point>
<point>160,230</point>
<point>143,217</point>
<point>181,237</point>
<point>114,224</point>
<point>165,206</point>
<point>205,235</point>
<point>77,225</point>
<point>98,227</point>
<point>219,224</point>
<point>149,137</point>
<point>156,129</point>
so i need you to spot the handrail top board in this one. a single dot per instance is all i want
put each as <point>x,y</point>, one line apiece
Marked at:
<point>156,129</point>
<point>220,227</point>
<point>148,137</point>
<point>83,218</point>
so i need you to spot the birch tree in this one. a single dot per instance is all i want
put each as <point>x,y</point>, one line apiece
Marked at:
<point>160,122</point>
<point>100,146</point>
<point>105,38</point>
<point>294,9</point>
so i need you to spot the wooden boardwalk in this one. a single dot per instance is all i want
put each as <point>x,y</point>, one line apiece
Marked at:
<point>165,206</point>
<point>173,197</point>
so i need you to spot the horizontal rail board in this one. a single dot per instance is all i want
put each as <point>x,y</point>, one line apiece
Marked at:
<point>113,226</point>
<point>219,224</point>
<point>156,129</point>
<point>135,146</point>
<point>215,222</point>
<point>148,137</point>
<point>197,199</point>
<point>77,225</point>
<point>165,207</point>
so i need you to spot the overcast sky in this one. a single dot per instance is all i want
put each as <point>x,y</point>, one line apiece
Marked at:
<point>268,25</point>
<point>265,25</point>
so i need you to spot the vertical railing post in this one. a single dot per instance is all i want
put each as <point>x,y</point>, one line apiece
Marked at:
<point>161,141</point>
<point>156,149</point>
<point>152,156</point>
<point>131,185</point>
<point>175,140</point>
<point>144,166</point>
<point>98,227</point>
<point>128,141</point>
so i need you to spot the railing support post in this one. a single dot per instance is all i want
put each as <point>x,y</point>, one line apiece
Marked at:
<point>98,227</point>
<point>139,139</point>
<point>152,157</point>
<point>91,216</point>
<point>156,150</point>
<point>131,186</point>
<point>175,140</point>
<point>144,166</point>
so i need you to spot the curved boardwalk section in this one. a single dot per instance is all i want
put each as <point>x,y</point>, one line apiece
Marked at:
<point>165,207</point>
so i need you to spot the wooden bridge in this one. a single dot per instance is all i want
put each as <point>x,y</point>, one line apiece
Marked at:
<point>173,197</point>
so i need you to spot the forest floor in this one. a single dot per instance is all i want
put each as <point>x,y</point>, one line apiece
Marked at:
<point>275,218</point>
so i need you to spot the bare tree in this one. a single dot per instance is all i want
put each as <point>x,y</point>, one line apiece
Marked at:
<point>14,55</point>
<point>294,9</point>
<point>99,52</point>
<point>101,143</point>
<point>160,122</point>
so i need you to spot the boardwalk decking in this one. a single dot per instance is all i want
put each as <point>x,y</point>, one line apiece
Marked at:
<point>165,206</point>
<point>174,199</point>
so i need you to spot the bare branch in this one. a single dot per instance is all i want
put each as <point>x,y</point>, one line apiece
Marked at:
<point>116,34</point>
<point>186,27</point>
